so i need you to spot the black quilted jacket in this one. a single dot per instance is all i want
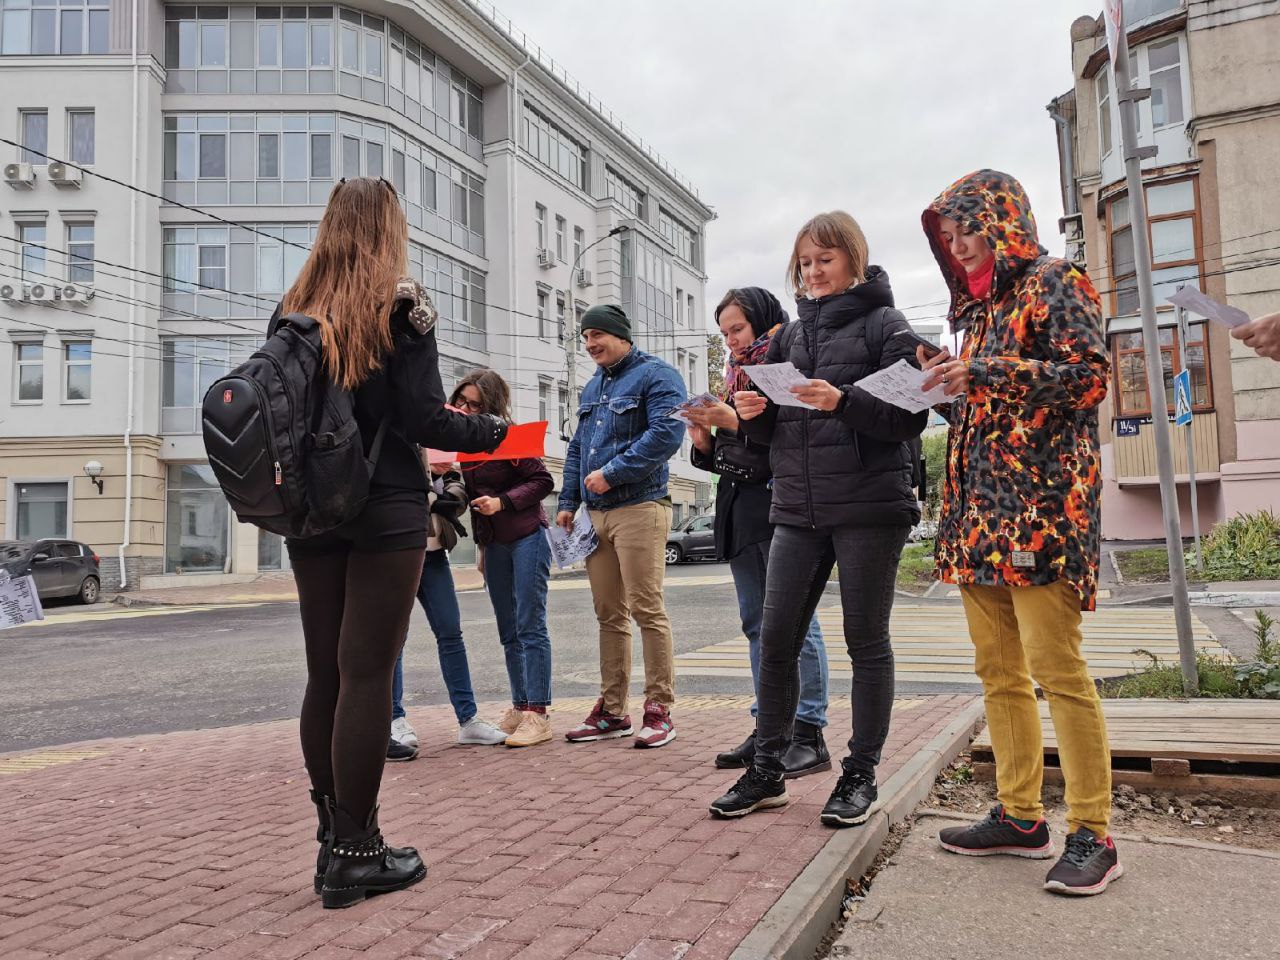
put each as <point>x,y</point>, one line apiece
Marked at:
<point>852,466</point>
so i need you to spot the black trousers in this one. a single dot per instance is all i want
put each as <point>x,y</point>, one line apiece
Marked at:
<point>800,562</point>
<point>355,613</point>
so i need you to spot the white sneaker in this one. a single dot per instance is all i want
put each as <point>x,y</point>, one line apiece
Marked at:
<point>481,732</point>
<point>402,733</point>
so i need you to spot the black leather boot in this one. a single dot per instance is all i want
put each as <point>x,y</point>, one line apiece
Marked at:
<point>740,756</point>
<point>807,753</point>
<point>361,863</point>
<point>323,833</point>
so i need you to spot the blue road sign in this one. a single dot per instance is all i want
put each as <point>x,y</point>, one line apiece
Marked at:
<point>1182,398</point>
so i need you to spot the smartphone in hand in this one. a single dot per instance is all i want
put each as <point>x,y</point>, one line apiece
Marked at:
<point>931,349</point>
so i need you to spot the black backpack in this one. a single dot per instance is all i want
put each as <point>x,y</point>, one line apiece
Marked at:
<point>283,440</point>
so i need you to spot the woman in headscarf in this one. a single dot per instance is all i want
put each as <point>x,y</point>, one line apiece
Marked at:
<point>1020,515</point>
<point>749,318</point>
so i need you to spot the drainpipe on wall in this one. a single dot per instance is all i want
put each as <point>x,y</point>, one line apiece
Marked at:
<point>125,542</point>
<point>513,120</point>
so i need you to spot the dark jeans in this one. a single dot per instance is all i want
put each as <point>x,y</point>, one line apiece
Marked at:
<point>800,562</point>
<point>439,601</point>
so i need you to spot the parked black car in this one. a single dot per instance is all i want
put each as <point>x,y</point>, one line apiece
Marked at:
<point>693,540</point>
<point>61,568</point>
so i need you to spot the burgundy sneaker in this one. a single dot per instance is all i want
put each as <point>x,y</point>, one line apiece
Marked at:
<point>657,729</point>
<point>600,725</point>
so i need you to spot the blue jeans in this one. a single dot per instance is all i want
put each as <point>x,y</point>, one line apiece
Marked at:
<point>516,577</point>
<point>748,569</point>
<point>440,603</point>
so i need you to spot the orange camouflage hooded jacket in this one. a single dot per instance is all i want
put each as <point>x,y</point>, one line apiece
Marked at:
<point>1020,499</point>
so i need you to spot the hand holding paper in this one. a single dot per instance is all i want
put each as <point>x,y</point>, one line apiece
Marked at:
<point>1192,300</point>
<point>903,386</point>
<point>775,381</point>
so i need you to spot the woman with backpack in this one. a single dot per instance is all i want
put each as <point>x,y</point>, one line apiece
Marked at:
<point>509,523</point>
<point>439,601</point>
<point>749,318</point>
<point>356,583</point>
<point>842,496</point>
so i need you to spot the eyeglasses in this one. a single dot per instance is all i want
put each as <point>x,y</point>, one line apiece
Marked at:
<point>475,406</point>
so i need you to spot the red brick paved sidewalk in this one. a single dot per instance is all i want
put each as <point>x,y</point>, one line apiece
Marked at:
<point>199,845</point>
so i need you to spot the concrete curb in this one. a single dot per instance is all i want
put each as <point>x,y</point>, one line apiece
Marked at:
<point>796,924</point>
<point>1240,598</point>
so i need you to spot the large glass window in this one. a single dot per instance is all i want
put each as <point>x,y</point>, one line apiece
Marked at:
<point>647,294</point>
<point>1165,67</point>
<point>188,367</point>
<point>458,293</point>
<point>223,271</point>
<point>1173,224</point>
<point>197,520</point>
<point>1102,82</point>
<point>41,510</point>
<point>77,370</point>
<point>680,235</point>
<point>80,252</point>
<point>1129,362</point>
<point>28,375</point>
<point>33,239</point>
<point>555,148</point>
<point>42,27</point>
<point>80,131</point>
<point>34,135</point>
<point>624,191</point>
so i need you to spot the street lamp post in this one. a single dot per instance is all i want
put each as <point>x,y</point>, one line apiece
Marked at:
<point>568,425</point>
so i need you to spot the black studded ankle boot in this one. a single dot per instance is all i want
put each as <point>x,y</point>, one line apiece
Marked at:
<point>361,863</point>
<point>323,834</point>
<point>807,753</point>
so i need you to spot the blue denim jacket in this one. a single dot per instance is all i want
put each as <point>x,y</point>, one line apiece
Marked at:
<point>624,429</point>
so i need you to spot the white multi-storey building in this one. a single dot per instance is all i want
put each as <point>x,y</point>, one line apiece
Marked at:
<point>527,202</point>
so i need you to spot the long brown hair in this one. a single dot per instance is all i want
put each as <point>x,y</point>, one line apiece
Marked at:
<point>493,390</point>
<point>348,282</point>
<point>835,230</point>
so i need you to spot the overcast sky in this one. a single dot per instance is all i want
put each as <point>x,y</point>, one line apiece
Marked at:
<point>778,110</point>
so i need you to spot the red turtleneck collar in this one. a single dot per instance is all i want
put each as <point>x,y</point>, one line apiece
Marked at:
<point>979,282</point>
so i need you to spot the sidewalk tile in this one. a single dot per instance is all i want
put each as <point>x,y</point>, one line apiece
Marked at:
<point>622,933</point>
<point>658,950</point>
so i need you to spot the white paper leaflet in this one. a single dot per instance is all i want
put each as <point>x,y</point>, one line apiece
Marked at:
<point>775,381</point>
<point>574,546</point>
<point>903,386</point>
<point>693,403</point>
<point>19,601</point>
<point>1193,301</point>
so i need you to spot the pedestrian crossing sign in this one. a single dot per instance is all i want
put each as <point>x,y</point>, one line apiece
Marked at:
<point>1182,398</point>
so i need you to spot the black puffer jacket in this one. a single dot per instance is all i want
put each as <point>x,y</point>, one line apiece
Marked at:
<point>852,466</point>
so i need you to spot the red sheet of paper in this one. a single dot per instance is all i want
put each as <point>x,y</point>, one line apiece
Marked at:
<point>523,440</point>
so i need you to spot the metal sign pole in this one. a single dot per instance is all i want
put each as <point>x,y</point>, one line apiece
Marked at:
<point>1184,335</point>
<point>1128,98</point>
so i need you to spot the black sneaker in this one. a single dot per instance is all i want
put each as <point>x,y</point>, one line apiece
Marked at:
<point>755,790</point>
<point>998,834</point>
<point>851,800</point>
<point>397,752</point>
<point>740,756</point>
<point>1087,865</point>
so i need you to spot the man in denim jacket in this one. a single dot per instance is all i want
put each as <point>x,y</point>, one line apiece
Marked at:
<point>617,465</point>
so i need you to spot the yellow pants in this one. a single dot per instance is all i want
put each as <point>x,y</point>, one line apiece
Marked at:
<point>1024,632</point>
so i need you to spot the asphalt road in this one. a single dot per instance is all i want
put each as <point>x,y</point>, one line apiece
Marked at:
<point>144,670</point>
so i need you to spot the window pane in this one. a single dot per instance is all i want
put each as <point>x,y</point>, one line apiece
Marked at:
<point>350,157</point>
<point>350,48</point>
<point>295,44</point>
<point>373,159</point>
<point>321,45</point>
<point>43,26</point>
<point>42,510</point>
<point>213,45</point>
<point>1166,198</point>
<point>397,170</point>
<point>1122,259</point>
<point>213,155</point>
<point>321,156</point>
<point>1126,296</point>
<point>15,31</point>
<point>268,44</point>
<point>35,134</point>
<point>82,146</point>
<point>295,156</point>
<point>1166,98</point>
<point>1163,53</point>
<point>269,155</point>
<point>1173,240</point>
<point>1166,282</point>
<point>72,39</point>
<point>99,24</point>
<point>373,54</point>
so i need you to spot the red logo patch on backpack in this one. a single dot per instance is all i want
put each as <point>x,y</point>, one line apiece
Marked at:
<point>226,396</point>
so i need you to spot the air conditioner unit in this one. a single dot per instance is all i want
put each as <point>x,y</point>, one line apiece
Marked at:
<point>584,277</point>
<point>13,292</point>
<point>43,293</point>
<point>546,258</point>
<point>78,292</point>
<point>65,175</point>
<point>20,176</point>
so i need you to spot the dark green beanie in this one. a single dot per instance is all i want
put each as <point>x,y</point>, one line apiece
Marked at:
<point>608,317</point>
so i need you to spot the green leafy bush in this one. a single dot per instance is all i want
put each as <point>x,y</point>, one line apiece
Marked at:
<point>1246,547</point>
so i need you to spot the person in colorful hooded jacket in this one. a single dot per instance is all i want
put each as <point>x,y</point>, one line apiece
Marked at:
<point>1020,515</point>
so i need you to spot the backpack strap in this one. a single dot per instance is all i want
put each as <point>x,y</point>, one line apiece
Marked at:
<point>378,437</point>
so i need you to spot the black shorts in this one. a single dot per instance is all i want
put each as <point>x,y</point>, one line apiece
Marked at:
<point>392,519</point>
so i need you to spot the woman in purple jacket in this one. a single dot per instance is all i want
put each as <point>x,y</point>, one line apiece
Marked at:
<point>508,520</point>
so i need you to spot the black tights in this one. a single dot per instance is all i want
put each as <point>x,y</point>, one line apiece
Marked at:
<point>355,612</point>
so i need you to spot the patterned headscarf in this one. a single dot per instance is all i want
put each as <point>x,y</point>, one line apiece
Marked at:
<point>766,316</point>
